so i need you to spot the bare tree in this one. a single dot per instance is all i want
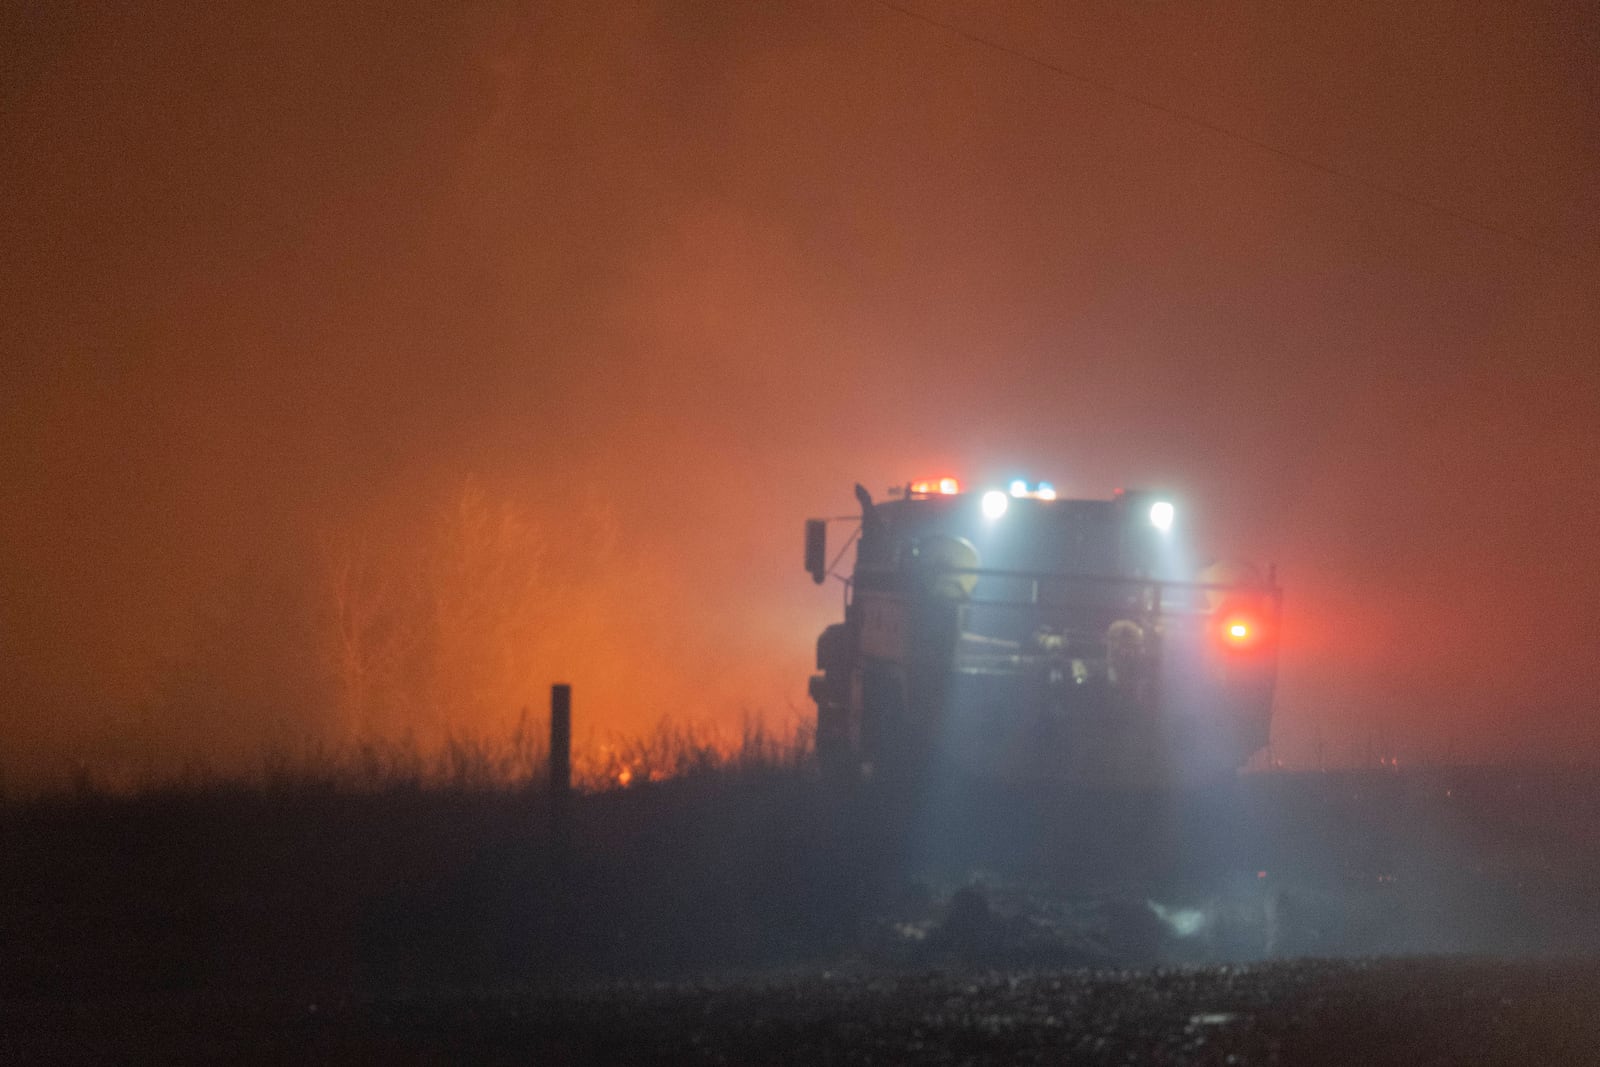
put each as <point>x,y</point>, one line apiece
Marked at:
<point>431,620</point>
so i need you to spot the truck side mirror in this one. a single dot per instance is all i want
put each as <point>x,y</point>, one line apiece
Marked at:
<point>817,549</point>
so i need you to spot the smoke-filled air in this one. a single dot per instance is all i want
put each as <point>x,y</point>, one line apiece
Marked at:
<point>365,370</point>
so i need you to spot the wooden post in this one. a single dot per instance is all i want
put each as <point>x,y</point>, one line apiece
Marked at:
<point>560,740</point>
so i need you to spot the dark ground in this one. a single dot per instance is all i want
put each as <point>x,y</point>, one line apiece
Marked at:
<point>314,922</point>
<point>1414,1012</point>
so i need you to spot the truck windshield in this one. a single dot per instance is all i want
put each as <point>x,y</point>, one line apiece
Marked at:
<point>1052,537</point>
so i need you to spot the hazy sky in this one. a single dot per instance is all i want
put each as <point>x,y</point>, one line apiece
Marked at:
<point>685,272</point>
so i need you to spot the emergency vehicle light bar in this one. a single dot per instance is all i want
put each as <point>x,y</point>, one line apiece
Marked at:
<point>936,487</point>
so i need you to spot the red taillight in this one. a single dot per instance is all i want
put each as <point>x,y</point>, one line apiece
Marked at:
<point>1240,631</point>
<point>1244,623</point>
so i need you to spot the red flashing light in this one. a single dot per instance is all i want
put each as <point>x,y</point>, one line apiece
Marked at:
<point>1242,624</point>
<point>1239,631</point>
<point>936,487</point>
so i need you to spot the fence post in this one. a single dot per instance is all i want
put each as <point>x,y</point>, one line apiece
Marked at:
<point>560,740</point>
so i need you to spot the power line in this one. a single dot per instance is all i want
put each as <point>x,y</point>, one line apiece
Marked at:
<point>1228,132</point>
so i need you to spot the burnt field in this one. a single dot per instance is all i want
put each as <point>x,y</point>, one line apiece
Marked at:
<point>335,921</point>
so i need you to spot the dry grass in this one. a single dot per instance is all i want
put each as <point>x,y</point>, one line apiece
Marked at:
<point>679,750</point>
<point>380,863</point>
<point>462,762</point>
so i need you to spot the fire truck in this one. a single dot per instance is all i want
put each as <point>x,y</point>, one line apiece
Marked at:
<point>1011,634</point>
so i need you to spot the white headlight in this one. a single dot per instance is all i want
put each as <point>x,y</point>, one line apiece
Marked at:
<point>1161,514</point>
<point>995,503</point>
